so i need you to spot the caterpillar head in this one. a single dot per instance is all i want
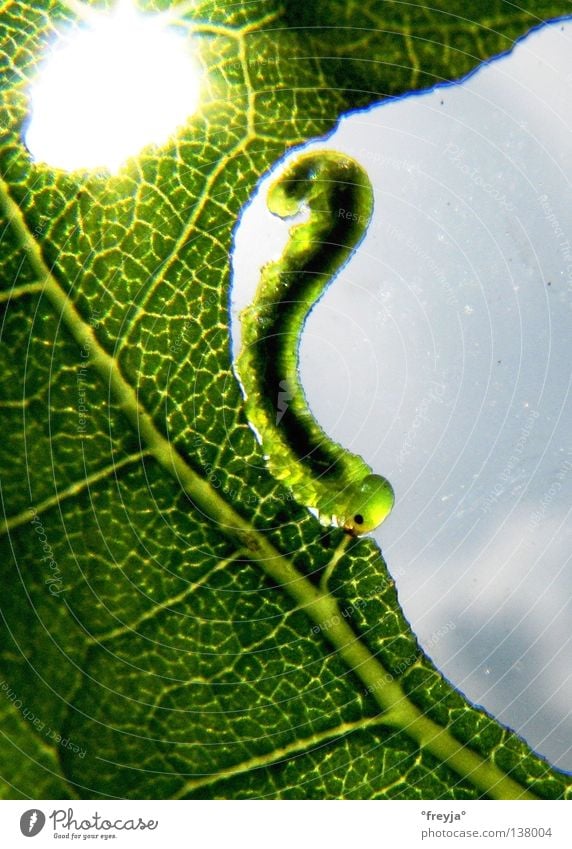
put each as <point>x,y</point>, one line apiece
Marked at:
<point>369,503</point>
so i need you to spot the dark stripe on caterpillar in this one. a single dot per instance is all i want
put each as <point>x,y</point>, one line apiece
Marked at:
<point>339,486</point>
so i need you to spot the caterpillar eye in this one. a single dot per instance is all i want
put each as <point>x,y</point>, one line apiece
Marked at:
<point>358,519</point>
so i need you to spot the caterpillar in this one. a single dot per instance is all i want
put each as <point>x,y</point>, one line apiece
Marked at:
<point>337,486</point>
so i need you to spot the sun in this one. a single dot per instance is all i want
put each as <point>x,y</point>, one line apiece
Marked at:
<point>108,87</point>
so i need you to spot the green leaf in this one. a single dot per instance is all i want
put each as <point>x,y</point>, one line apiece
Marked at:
<point>173,624</point>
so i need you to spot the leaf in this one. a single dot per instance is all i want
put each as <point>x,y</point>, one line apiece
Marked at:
<point>173,624</point>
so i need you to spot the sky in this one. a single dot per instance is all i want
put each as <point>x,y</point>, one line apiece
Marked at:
<point>455,313</point>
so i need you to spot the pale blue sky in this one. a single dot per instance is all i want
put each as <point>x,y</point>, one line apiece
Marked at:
<point>456,315</point>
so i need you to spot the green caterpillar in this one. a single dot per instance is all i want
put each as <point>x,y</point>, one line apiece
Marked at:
<point>337,486</point>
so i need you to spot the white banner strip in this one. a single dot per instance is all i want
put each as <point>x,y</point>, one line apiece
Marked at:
<point>286,824</point>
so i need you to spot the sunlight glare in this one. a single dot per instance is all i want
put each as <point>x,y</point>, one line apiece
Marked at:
<point>108,88</point>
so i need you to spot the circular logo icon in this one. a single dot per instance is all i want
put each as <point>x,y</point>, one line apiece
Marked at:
<point>32,822</point>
